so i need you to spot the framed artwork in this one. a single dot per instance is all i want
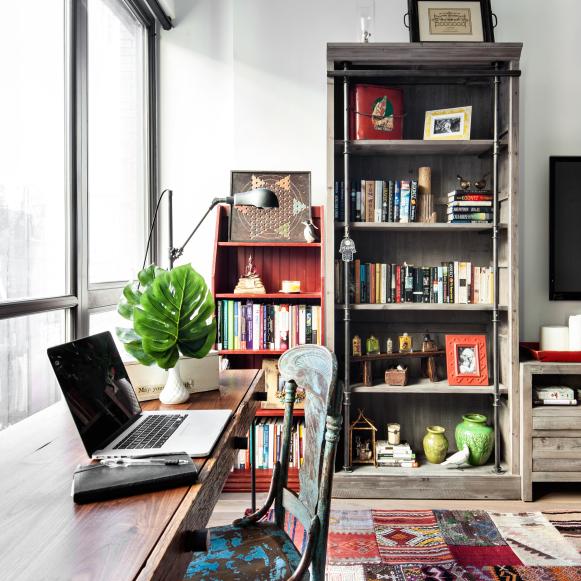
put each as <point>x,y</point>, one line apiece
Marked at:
<point>466,360</point>
<point>282,224</point>
<point>448,124</point>
<point>451,21</point>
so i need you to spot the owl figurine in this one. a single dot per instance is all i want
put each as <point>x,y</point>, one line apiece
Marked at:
<point>310,231</point>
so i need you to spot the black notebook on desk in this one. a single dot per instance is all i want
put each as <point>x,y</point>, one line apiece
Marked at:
<point>95,482</point>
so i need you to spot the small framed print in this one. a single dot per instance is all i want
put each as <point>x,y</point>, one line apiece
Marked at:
<point>448,124</point>
<point>466,360</point>
<point>450,21</point>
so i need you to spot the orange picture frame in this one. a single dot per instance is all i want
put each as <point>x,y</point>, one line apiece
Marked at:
<point>467,360</point>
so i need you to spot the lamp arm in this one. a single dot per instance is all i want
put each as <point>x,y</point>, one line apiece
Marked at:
<point>175,253</point>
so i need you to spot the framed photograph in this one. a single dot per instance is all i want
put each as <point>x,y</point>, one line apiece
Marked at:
<point>448,124</point>
<point>282,224</point>
<point>466,360</point>
<point>450,21</point>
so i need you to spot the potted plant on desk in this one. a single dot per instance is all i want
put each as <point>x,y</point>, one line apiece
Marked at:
<point>172,313</point>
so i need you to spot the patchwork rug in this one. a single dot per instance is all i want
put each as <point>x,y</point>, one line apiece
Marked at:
<point>451,545</point>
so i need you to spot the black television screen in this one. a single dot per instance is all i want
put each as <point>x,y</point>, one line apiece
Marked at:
<point>565,228</point>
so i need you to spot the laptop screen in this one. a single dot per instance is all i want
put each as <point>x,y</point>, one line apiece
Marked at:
<point>96,388</point>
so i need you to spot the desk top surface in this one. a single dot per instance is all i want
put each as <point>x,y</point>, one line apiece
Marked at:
<point>44,535</point>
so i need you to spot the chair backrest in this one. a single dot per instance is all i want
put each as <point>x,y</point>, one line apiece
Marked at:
<point>314,369</point>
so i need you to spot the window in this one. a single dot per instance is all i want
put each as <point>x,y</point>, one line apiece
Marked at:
<point>77,179</point>
<point>117,173</point>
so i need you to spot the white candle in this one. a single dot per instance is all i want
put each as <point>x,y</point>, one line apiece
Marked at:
<point>575,332</point>
<point>555,338</point>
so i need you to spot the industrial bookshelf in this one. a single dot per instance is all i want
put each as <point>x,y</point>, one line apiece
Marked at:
<point>275,262</point>
<point>432,76</point>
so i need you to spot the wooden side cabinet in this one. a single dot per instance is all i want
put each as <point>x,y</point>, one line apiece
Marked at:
<point>550,435</point>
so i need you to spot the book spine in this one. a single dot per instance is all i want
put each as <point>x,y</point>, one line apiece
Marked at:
<point>426,284</point>
<point>370,200</point>
<point>309,325</point>
<point>372,283</point>
<point>390,201</point>
<point>408,285</point>
<point>398,283</point>
<point>385,202</point>
<point>358,203</point>
<point>378,200</point>
<point>396,201</point>
<point>413,201</point>
<point>219,316</point>
<point>404,213</point>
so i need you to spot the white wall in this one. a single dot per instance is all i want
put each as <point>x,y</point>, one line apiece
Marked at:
<point>243,86</point>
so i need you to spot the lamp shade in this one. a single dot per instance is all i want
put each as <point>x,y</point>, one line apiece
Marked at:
<point>261,198</point>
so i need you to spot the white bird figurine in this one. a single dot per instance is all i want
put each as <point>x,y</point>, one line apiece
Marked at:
<point>458,459</point>
<point>309,232</point>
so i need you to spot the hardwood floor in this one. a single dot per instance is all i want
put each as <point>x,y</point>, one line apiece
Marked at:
<point>547,497</point>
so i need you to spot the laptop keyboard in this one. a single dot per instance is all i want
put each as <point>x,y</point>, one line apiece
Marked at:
<point>153,432</point>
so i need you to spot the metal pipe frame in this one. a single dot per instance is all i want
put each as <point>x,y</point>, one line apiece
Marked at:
<point>495,310</point>
<point>346,307</point>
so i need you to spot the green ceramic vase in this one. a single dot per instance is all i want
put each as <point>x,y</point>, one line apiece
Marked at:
<point>479,437</point>
<point>435,444</point>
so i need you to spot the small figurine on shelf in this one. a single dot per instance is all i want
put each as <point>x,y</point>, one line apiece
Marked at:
<point>372,345</point>
<point>356,346</point>
<point>405,343</point>
<point>464,184</point>
<point>250,282</point>
<point>362,441</point>
<point>389,346</point>
<point>310,232</point>
<point>428,344</point>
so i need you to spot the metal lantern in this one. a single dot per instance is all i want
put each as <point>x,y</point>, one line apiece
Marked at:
<point>362,441</point>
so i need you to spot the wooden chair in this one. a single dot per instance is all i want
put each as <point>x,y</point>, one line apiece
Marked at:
<point>251,548</point>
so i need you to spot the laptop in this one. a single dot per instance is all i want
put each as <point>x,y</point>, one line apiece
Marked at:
<point>108,415</point>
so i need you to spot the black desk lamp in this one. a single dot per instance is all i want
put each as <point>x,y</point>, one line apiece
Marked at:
<point>260,198</point>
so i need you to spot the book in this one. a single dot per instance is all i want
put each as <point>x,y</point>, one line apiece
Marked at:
<point>474,217</point>
<point>390,202</point>
<point>385,202</point>
<point>469,203</point>
<point>396,201</point>
<point>405,200</point>
<point>553,393</point>
<point>370,201</point>
<point>565,402</point>
<point>413,201</point>
<point>472,196</point>
<point>378,200</point>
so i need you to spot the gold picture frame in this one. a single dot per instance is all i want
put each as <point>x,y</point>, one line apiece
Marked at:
<point>448,124</point>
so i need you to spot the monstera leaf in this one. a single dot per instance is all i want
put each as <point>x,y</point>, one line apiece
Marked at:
<point>171,313</point>
<point>131,298</point>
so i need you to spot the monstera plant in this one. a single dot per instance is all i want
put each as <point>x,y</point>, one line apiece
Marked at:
<point>172,314</point>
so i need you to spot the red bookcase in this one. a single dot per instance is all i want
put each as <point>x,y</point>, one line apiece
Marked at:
<point>275,262</point>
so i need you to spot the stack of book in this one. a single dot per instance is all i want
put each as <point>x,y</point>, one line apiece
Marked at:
<point>452,282</point>
<point>395,456</point>
<point>269,444</point>
<point>470,207</point>
<point>554,396</point>
<point>258,326</point>
<point>378,201</point>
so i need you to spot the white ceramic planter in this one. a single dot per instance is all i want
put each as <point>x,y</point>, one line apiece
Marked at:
<point>174,391</point>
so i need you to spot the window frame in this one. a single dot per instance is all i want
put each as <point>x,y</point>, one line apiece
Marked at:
<point>81,298</point>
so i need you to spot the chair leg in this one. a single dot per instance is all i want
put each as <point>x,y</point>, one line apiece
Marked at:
<point>256,516</point>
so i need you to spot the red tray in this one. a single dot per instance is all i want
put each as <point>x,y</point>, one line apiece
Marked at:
<point>551,356</point>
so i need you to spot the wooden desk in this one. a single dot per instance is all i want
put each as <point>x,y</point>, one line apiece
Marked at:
<point>44,535</point>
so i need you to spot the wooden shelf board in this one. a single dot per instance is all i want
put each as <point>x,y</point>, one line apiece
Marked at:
<point>286,296</point>
<point>425,469</point>
<point>251,352</point>
<point>426,386</point>
<point>419,307</point>
<point>416,227</point>
<point>272,244</point>
<point>277,413</point>
<point>397,355</point>
<point>416,147</point>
